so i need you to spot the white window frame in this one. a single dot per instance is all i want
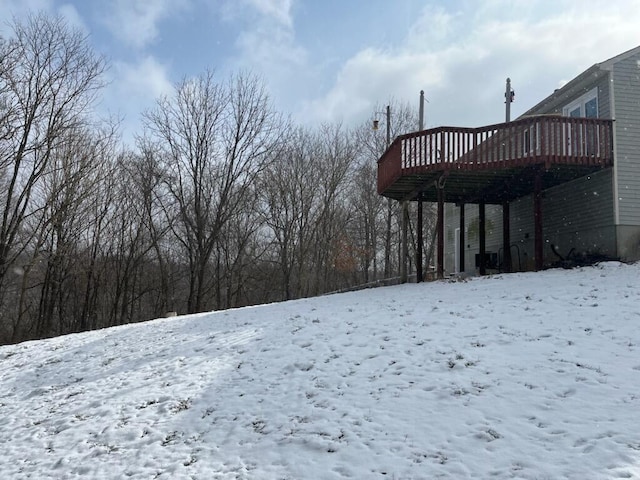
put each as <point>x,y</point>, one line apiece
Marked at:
<point>580,103</point>
<point>531,140</point>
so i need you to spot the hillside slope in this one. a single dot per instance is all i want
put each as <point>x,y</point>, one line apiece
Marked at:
<point>513,376</point>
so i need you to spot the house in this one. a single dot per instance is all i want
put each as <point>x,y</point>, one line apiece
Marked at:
<point>562,179</point>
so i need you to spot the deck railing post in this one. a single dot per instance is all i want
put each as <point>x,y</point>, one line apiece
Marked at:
<point>404,247</point>
<point>475,147</point>
<point>419,270</point>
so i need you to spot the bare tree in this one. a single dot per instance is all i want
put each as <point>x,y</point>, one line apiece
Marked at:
<point>368,209</point>
<point>49,77</point>
<point>335,154</point>
<point>143,189</point>
<point>78,168</point>
<point>222,202</point>
<point>212,141</point>
<point>303,198</point>
<point>288,199</point>
<point>237,251</point>
<point>403,119</point>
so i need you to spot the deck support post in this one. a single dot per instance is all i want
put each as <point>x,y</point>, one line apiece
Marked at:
<point>506,238</point>
<point>482,260</point>
<point>404,248</point>
<point>440,232</point>
<point>461,240</point>
<point>419,269</point>
<point>537,220</point>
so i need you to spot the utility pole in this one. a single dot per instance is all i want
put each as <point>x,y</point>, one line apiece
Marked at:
<point>508,98</point>
<point>421,116</point>
<point>388,125</point>
<point>419,269</point>
<point>387,243</point>
<point>506,242</point>
<point>404,247</point>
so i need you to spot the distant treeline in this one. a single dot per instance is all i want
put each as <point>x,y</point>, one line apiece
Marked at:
<point>222,202</point>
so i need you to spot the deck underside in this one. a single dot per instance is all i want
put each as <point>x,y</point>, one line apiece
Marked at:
<point>491,186</point>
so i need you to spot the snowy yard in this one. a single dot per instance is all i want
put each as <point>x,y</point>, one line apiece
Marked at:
<point>530,376</point>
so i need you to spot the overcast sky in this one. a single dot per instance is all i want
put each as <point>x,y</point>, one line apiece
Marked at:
<point>333,60</point>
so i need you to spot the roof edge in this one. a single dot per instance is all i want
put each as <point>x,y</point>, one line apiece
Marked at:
<point>607,64</point>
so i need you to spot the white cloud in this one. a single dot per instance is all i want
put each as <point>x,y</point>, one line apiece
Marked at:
<point>433,27</point>
<point>365,77</point>
<point>461,59</point>
<point>269,49</point>
<point>279,10</point>
<point>267,39</point>
<point>18,9</point>
<point>266,45</point>
<point>275,11</point>
<point>133,88</point>
<point>73,18</point>
<point>135,22</point>
<point>147,79</point>
<point>21,7</point>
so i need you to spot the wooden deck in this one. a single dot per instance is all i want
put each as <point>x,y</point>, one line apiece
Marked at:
<point>493,164</point>
<point>496,163</point>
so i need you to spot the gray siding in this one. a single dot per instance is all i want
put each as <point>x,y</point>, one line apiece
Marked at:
<point>628,242</point>
<point>577,215</point>
<point>580,214</point>
<point>604,96</point>
<point>600,79</point>
<point>626,75</point>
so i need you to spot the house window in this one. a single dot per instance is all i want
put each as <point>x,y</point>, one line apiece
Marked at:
<point>585,106</point>
<point>582,139</point>
<point>591,108</point>
<point>530,142</point>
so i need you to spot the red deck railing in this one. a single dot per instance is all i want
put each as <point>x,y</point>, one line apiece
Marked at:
<point>537,139</point>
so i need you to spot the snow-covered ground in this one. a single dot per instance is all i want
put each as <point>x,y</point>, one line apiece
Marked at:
<point>512,376</point>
